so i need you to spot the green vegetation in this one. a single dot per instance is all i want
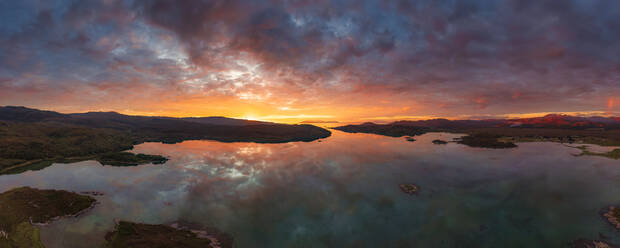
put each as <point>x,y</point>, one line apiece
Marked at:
<point>500,137</point>
<point>34,146</point>
<point>129,159</point>
<point>492,136</point>
<point>32,165</point>
<point>135,235</point>
<point>31,139</point>
<point>573,136</point>
<point>484,140</point>
<point>20,207</point>
<point>24,235</point>
<point>613,154</point>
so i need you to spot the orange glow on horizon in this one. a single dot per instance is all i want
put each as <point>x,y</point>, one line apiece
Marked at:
<point>321,116</point>
<point>325,111</point>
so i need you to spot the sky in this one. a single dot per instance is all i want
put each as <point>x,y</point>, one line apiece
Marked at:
<point>312,60</point>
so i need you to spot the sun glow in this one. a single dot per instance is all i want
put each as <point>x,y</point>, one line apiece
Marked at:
<point>251,117</point>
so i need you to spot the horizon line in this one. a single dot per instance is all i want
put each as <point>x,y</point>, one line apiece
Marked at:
<point>326,119</point>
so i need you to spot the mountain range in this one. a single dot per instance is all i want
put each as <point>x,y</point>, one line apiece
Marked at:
<point>170,129</point>
<point>547,121</point>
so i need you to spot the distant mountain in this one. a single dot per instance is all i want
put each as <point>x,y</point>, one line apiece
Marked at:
<point>369,124</point>
<point>11,113</point>
<point>26,114</point>
<point>218,120</point>
<point>450,124</point>
<point>565,121</point>
<point>169,129</point>
<point>547,121</point>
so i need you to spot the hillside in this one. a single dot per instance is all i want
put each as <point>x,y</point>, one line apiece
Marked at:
<point>33,139</point>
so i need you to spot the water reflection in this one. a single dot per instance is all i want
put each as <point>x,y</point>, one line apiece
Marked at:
<point>343,192</point>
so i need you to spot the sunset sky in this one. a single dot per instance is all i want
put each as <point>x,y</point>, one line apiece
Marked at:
<point>293,61</point>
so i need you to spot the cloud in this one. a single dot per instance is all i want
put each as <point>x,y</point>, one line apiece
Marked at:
<point>424,57</point>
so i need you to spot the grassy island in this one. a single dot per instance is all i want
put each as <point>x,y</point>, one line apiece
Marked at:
<point>21,209</point>
<point>129,159</point>
<point>392,130</point>
<point>484,140</point>
<point>137,235</point>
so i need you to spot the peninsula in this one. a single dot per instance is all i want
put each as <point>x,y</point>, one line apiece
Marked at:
<point>21,209</point>
<point>139,235</point>
<point>32,139</point>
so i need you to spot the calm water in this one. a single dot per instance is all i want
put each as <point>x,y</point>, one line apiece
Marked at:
<point>343,192</point>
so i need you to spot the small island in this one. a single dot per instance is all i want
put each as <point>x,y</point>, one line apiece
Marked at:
<point>439,142</point>
<point>484,140</point>
<point>22,209</point>
<point>612,215</point>
<point>410,139</point>
<point>129,159</point>
<point>137,235</point>
<point>409,188</point>
<point>392,130</point>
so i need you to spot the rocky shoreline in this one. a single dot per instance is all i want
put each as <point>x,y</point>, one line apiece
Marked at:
<point>586,243</point>
<point>178,234</point>
<point>218,238</point>
<point>23,209</point>
<point>612,215</point>
<point>78,214</point>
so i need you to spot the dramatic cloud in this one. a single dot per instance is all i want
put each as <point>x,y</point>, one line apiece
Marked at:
<point>292,60</point>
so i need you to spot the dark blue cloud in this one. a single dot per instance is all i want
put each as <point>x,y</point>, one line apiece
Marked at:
<point>498,55</point>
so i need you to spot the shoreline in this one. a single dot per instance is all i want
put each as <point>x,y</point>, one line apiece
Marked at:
<point>76,215</point>
<point>607,214</point>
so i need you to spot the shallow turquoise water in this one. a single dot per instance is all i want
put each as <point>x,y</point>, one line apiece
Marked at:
<point>343,192</point>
